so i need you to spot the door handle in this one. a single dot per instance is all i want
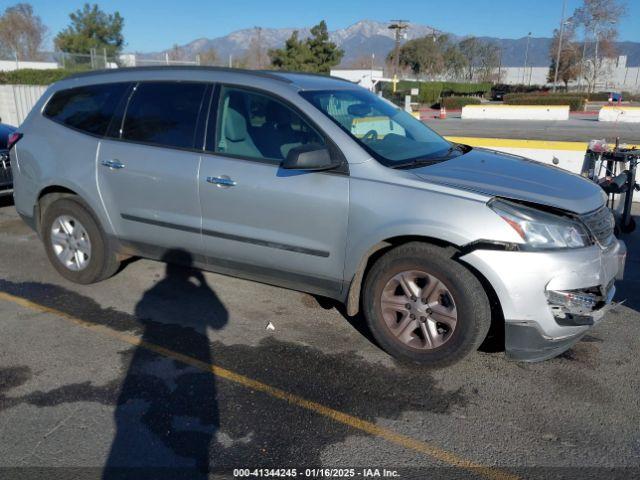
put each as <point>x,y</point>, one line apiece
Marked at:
<point>113,164</point>
<point>222,181</point>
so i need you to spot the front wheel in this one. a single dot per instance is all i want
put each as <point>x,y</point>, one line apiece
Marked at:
<point>76,245</point>
<point>423,306</point>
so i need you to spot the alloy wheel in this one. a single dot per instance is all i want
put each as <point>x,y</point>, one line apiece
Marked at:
<point>419,309</point>
<point>70,242</point>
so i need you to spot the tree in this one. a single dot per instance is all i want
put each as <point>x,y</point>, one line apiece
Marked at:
<point>22,32</point>
<point>324,53</point>
<point>314,54</point>
<point>569,65</point>
<point>91,28</point>
<point>470,48</point>
<point>177,53</point>
<point>256,56</point>
<point>363,62</point>
<point>455,63</point>
<point>423,56</point>
<point>482,59</point>
<point>209,56</point>
<point>294,56</point>
<point>431,56</point>
<point>489,62</point>
<point>598,19</point>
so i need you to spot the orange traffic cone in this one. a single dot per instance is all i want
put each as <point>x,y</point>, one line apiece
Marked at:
<point>443,113</point>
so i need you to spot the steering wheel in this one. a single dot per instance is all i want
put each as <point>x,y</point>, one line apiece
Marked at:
<point>370,135</point>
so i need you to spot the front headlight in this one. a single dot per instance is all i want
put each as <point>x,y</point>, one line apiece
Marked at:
<point>541,229</point>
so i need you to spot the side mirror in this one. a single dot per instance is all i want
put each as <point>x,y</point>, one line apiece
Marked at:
<point>309,157</point>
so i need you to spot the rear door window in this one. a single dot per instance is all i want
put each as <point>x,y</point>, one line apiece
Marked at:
<point>87,108</point>
<point>164,113</point>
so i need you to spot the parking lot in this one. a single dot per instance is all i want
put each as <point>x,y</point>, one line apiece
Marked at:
<point>166,367</point>
<point>576,129</point>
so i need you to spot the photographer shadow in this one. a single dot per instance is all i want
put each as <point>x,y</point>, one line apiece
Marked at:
<point>167,413</point>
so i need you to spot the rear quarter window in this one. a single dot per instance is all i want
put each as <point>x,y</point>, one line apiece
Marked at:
<point>87,108</point>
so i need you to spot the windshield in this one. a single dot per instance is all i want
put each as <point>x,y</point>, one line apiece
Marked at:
<point>390,134</point>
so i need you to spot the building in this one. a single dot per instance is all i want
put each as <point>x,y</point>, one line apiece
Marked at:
<point>615,75</point>
<point>366,78</point>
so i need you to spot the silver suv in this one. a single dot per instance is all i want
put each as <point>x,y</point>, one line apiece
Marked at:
<point>314,184</point>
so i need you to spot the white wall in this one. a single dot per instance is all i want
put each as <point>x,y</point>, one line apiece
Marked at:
<point>10,65</point>
<point>16,101</point>
<point>520,75</point>
<point>515,112</point>
<point>364,77</point>
<point>616,75</point>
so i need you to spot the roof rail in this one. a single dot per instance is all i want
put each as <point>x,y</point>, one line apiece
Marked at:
<point>257,73</point>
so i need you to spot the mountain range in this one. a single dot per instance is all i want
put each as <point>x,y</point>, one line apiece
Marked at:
<point>367,37</point>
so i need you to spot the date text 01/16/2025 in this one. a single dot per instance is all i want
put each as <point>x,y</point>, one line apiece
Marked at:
<point>315,473</point>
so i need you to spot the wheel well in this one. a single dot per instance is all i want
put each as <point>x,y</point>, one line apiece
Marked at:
<point>494,341</point>
<point>495,337</point>
<point>370,257</point>
<point>46,197</point>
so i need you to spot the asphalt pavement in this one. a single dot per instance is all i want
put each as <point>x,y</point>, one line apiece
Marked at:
<point>165,372</point>
<point>576,129</point>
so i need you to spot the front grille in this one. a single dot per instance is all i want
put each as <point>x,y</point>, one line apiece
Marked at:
<point>6,179</point>
<point>600,223</point>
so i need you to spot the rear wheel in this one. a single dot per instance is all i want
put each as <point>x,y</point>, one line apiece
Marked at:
<point>75,244</point>
<point>424,307</point>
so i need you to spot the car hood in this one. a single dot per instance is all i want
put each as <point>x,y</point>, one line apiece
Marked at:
<point>510,176</point>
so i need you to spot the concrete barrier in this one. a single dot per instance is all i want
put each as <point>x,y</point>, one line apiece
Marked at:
<point>516,112</point>
<point>567,155</point>
<point>619,114</point>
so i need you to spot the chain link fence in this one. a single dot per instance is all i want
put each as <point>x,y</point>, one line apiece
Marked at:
<point>96,59</point>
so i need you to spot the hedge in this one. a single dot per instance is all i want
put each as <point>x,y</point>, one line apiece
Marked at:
<point>28,76</point>
<point>456,103</point>
<point>575,102</point>
<point>594,97</point>
<point>432,92</point>
<point>520,88</point>
<point>510,96</point>
<point>599,96</point>
<point>604,96</point>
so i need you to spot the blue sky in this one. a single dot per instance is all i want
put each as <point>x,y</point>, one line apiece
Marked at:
<point>158,24</point>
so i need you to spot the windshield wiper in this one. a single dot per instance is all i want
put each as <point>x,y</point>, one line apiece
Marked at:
<point>421,162</point>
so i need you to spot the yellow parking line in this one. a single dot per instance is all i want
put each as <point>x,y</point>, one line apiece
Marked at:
<point>518,143</point>
<point>336,415</point>
<point>521,143</point>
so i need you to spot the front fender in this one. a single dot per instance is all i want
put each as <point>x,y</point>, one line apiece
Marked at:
<point>380,212</point>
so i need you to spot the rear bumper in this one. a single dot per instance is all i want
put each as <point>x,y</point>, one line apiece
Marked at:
<point>536,328</point>
<point>29,220</point>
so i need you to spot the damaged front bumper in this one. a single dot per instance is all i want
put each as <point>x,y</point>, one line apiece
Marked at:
<point>550,299</point>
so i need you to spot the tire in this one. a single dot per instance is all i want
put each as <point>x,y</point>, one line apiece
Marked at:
<point>100,262</point>
<point>434,338</point>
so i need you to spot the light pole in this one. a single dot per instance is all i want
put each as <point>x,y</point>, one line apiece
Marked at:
<point>555,75</point>
<point>526,57</point>
<point>399,26</point>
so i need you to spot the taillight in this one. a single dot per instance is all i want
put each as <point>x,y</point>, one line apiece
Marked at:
<point>13,139</point>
